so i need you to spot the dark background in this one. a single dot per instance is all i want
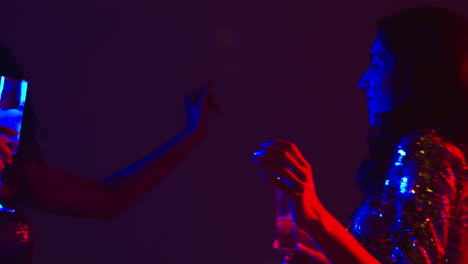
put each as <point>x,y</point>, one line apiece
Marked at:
<point>112,76</point>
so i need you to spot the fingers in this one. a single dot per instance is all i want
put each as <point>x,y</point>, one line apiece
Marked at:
<point>275,244</point>
<point>5,150</point>
<point>284,158</point>
<point>305,250</point>
<point>205,93</point>
<point>8,131</point>
<point>314,256</point>
<point>279,182</point>
<point>289,147</point>
<point>209,99</point>
<point>277,168</point>
<point>205,97</point>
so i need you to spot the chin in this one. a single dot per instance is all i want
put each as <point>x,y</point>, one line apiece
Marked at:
<point>373,121</point>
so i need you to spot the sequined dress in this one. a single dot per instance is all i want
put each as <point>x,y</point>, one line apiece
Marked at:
<point>420,215</point>
<point>16,235</point>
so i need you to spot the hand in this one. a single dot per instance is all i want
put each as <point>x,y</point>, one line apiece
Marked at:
<point>305,249</point>
<point>199,106</point>
<point>5,150</point>
<point>308,255</point>
<point>285,167</point>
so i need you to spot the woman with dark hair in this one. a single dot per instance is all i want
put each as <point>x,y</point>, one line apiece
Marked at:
<point>415,177</point>
<point>31,182</point>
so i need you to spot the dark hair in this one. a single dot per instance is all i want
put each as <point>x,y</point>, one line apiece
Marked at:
<point>10,68</point>
<point>430,46</point>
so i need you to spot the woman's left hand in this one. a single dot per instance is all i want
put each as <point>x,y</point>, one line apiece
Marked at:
<point>285,167</point>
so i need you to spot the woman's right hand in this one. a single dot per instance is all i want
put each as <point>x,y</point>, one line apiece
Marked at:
<point>310,256</point>
<point>200,104</point>
<point>5,150</point>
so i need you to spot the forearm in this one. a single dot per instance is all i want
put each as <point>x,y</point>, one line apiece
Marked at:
<point>75,196</point>
<point>335,241</point>
<point>134,182</point>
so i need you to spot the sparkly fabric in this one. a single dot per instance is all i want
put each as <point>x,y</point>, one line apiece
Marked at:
<point>420,215</point>
<point>16,236</point>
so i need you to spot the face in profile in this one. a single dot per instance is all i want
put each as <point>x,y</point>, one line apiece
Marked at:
<point>377,81</point>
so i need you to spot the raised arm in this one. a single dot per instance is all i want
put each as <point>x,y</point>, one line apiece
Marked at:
<point>40,186</point>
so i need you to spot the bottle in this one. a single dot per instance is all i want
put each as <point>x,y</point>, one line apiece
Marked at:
<point>286,230</point>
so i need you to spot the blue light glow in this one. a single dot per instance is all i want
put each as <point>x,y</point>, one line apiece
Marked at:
<point>3,209</point>
<point>403,184</point>
<point>24,89</point>
<point>402,154</point>
<point>387,182</point>
<point>259,153</point>
<point>2,85</point>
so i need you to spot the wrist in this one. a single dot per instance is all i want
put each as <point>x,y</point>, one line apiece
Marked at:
<point>196,132</point>
<point>315,214</point>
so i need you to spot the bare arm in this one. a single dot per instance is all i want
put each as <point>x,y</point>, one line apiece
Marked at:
<point>335,241</point>
<point>49,189</point>
<point>421,182</point>
<point>43,187</point>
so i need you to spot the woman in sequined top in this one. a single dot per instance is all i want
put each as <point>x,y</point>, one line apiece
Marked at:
<point>415,177</point>
<point>32,182</point>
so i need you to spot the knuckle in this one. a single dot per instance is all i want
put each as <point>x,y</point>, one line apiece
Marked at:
<point>283,154</point>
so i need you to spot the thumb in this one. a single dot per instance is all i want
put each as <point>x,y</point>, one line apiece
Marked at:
<point>305,250</point>
<point>8,131</point>
<point>275,244</point>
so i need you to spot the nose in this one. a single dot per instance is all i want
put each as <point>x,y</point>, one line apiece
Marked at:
<point>363,84</point>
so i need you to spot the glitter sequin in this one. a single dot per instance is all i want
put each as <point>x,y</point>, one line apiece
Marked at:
<point>16,236</point>
<point>421,212</point>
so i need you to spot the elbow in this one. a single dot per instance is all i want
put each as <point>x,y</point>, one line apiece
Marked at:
<point>103,215</point>
<point>114,206</point>
<point>109,215</point>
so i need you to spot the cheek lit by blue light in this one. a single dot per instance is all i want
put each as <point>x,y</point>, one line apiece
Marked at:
<point>403,184</point>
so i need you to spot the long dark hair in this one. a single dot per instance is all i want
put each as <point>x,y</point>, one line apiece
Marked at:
<point>430,46</point>
<point>10,68</point>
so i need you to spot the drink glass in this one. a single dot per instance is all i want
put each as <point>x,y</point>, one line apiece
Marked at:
<point>12,100</point>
